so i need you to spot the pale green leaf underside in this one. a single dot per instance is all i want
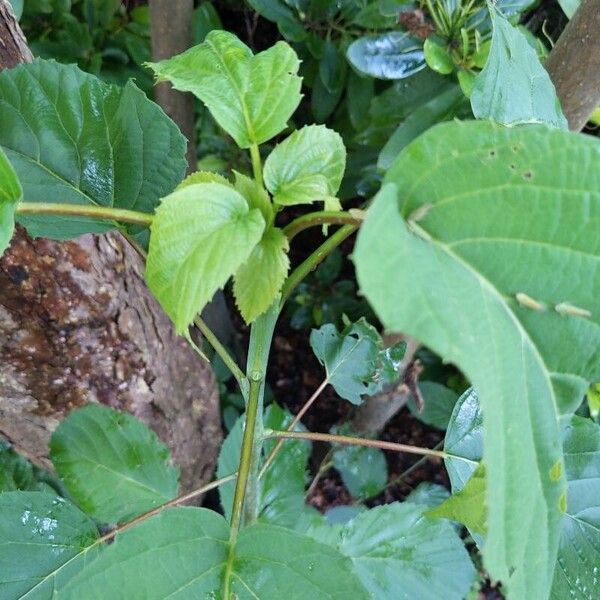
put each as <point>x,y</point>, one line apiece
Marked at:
<point>114,467</point>
<point>307,166</point>
<point>10,194</point>
<point>399,554</point>
<point>201,234</point>
<point>258,281</point>
<point>182,554</point>
<point>514,87</point>
<point>43,541</point>
<point>498,209</point>
<point>75,139</point>
<point>251,97</point>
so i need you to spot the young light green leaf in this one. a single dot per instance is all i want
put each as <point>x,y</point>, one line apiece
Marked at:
<point>82,141</point>
<point>255,194</point>
<point>203,177</point>
<point>390,55</point>
<point>114,467</point>
<point>354,360</point>
<point>479,247</point>
<point>514,87</point>
<point>307,166</point>
<point>257,282</point>
<point>466,506</point>
<point>438,57</point>
<point>250,96</point>
<point>399,554</point>
<point>10,195</point>
<point>183,552</point>
<point>201,235</point>
<point>282,488</point>
<point>43,542</point>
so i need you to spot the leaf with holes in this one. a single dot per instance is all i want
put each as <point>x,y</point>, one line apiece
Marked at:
<point>456,252</point>
<point>114,467</point>
<point>78,140</point>
<point>250,96</point>
<point>200,236</point>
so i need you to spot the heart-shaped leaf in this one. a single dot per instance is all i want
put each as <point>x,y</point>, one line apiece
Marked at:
<point>201,235</point>
<point>456,252</point>
<point>10,195</point>
<point>251,97</point>
<point>307,166</point>
<point>82,141</point>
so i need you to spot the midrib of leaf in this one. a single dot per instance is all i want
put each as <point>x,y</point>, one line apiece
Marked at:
<point>238,91</point>
<point>343,360</point>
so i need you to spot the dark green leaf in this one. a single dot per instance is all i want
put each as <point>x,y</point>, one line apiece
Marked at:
<point>439,404</point>
<point>205,19</point>
<point>514,87</point>
<point>391,55</point>
<point>186,263</point>
<point>114,467</point>
<point>358,99</point>
<point>279,12</point>
<point>332,68</point>
<point>81,141</point>
<point>44,540</point>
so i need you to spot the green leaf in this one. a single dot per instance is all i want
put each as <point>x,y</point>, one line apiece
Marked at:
<point>279,12</point>
<point>514,87</point>
<point>363,470</point>
<point>306,166</point>
<point>354,360</point>
<point>332,67</point>
<point>114,467</point>
<point>467,506</point>
<point>390,55</point>
<point>569,6</point>
<point>282,488</point>
<point>442,107</point>
<point>258,281</point>
<point>201,235</point>
<point>251,97</point>
<point>577,571</point>
<point>17,473</point>
<point>399,554</point>
<point>428,494</point>
<point>183,552</point>
<point>255,194</point>
<point>78,140</point>
<point>467,254</point>
<point>10,195</point>
<point>43,542</point>
<point>438,58</point>
<point>204,20</point>
<point>439,404</point>
<point>203,177</point>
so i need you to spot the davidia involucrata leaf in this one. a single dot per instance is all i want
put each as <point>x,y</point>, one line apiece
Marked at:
<point>456,251</point>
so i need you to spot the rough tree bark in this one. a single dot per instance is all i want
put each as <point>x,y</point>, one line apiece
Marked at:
<point>171,32</point>
<point>78,325</point>
<point>574,65</point>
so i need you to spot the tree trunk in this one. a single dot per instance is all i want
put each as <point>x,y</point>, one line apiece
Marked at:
<point>171,32</point>
<point>78,325</point>
<point>574,65</point>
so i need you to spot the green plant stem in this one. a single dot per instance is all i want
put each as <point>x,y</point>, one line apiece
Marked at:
<point>291,426</point>
<point>353,441</point>
<point>322,218</point>
<point>315,259</point>
<point>213,340</point>
<point>107,213</point>
<point>256,164</point>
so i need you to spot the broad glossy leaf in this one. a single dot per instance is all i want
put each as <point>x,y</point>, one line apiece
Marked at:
<point>391,55</point>
<point>577,572</point>
<point>250,96</point>
<point>354,360</point>
<point>44,540</point>
<point>467,226</point>
<point>201,235</point>
<point>514,87</point>
<point>466,506</point>
<point>81,141</point>
<point>10,194</point>
<point>182,553</point>
<point>258,281</point>
<point>282,488</point>
<point>306,166</point>
<point>114,467</point>
<point>399,554</point>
